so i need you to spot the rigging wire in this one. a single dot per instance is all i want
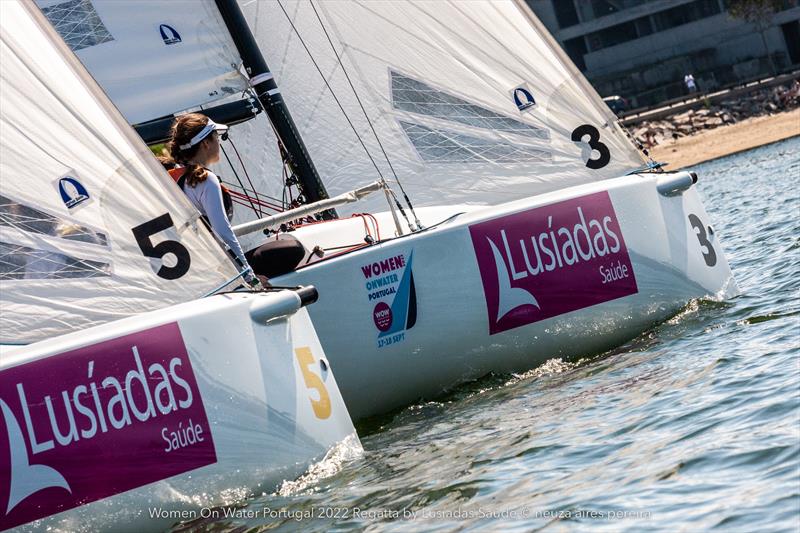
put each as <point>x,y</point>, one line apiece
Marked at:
<point>238,179</point>
<point>281,149</point>
<point>341,107</point>
<point>651,163</point>
<point>244,169</point>
<point>257,210</point>
<point>363,110</point>
<point>244,198</point>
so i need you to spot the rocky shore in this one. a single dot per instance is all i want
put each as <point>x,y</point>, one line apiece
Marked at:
<point>760,103</point>
<point>727,139</point>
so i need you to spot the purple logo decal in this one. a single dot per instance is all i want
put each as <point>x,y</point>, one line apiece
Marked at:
<point>390,283</point>
<point>84,425</point>
<point>382,314</point>
<point>551,260</point>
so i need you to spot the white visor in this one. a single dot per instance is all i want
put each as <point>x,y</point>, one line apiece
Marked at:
<point>205,132</point>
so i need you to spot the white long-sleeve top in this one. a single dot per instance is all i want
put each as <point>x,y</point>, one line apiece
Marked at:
<point>206,196</point>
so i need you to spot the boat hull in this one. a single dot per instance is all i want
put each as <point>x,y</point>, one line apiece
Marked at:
<point>414,316</point>
<point>171,413</point>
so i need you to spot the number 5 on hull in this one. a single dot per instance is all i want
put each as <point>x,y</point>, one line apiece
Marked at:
<point>322,407</point>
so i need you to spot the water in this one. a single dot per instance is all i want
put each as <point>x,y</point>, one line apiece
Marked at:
<point>693,426</point>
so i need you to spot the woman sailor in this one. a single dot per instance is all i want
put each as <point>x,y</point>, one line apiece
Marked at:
<point>194,144</point>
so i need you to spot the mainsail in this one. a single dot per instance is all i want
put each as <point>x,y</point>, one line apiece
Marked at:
<point>462,101</point>
<point>472,101</point>
<point>151,59</point>
<point>91,227</point>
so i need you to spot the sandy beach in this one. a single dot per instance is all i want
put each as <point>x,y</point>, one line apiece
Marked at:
<point>725,140</point>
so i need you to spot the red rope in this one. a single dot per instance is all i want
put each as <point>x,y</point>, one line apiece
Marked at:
<point>244,199</point>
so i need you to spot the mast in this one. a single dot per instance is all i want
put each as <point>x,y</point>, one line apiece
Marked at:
<point>270,97</point>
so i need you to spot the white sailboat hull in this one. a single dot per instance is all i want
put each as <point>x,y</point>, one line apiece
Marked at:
<point>223,397</point>
<point>481,308</point>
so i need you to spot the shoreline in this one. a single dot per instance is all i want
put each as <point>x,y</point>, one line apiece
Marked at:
<point>727,140</point>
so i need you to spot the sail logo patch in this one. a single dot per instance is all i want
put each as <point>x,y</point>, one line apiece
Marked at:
<point>391,292</point>
<point>523,97</point>
<point>551,260</point>
<point>84,425</point>
<point>72,191</point>
<point>169,34</point>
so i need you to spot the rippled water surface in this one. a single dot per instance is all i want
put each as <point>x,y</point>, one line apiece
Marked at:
<point>692,426</point>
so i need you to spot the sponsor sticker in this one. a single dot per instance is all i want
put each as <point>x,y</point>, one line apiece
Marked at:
<point>551,260</point>
<point>97,421</point>
<point>72,191</point>
<point>169,34</point>
<point>523,97</point>
<point>390,290</point>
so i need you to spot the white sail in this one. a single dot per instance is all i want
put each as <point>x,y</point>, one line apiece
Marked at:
<point>152,59</point>
<point>438,80</point>
<point>91,227</point>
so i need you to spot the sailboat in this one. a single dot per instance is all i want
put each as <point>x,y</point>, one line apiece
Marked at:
<point>523,223</point>
<point>117,407</point>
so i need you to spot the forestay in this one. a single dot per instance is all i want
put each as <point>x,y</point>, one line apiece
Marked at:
<point>91,227</point>
<point>472,101</point>
<point>152,59</point>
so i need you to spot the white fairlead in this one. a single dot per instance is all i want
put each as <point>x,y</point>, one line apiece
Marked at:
<point>309,209</point>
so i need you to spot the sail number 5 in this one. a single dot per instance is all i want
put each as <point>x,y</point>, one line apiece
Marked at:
<point>144,232</point>
<point>322,407</point>
<point>594,143</point>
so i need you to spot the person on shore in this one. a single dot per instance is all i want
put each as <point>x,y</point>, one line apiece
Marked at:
<point>194,144</point>
<point>691,86</point>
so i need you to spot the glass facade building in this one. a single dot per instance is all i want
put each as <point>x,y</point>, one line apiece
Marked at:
<point>641,49</point>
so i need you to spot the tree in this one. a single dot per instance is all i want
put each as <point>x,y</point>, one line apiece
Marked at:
<point>759,14</point>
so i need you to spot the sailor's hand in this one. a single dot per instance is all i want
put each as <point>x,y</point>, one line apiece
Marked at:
<point>252,281</point>
<point>255,284</point>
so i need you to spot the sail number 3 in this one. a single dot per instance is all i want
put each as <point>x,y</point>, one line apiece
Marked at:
<point>143,233</point>
<point>709,255</point>
<point>594,143</point>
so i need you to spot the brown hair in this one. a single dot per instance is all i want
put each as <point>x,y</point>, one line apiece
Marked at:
<point>183,129</point>
<point>166,161</point>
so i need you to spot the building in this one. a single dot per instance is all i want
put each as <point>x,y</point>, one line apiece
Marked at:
<point>642,49</point>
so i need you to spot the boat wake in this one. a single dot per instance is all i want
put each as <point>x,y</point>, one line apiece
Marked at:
<point>346,450</point>
<point>549,368</point>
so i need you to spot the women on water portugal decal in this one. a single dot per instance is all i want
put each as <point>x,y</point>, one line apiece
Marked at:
<point>390,286</point>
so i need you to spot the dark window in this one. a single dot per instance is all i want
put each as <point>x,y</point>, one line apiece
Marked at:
<point>678,16</point>
<point>670,18</point>
<point>791,33</point>
<point>601,8</point>
<point>576,49</point>
<point>643,26</point>
<point>621,33</point>
<point>594,9</point>
<point>565,13</point>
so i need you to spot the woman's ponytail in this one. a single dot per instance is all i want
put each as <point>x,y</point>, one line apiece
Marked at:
<point>183,130</point>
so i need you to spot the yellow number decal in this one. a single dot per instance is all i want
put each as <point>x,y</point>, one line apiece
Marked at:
<point>322,407</point>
